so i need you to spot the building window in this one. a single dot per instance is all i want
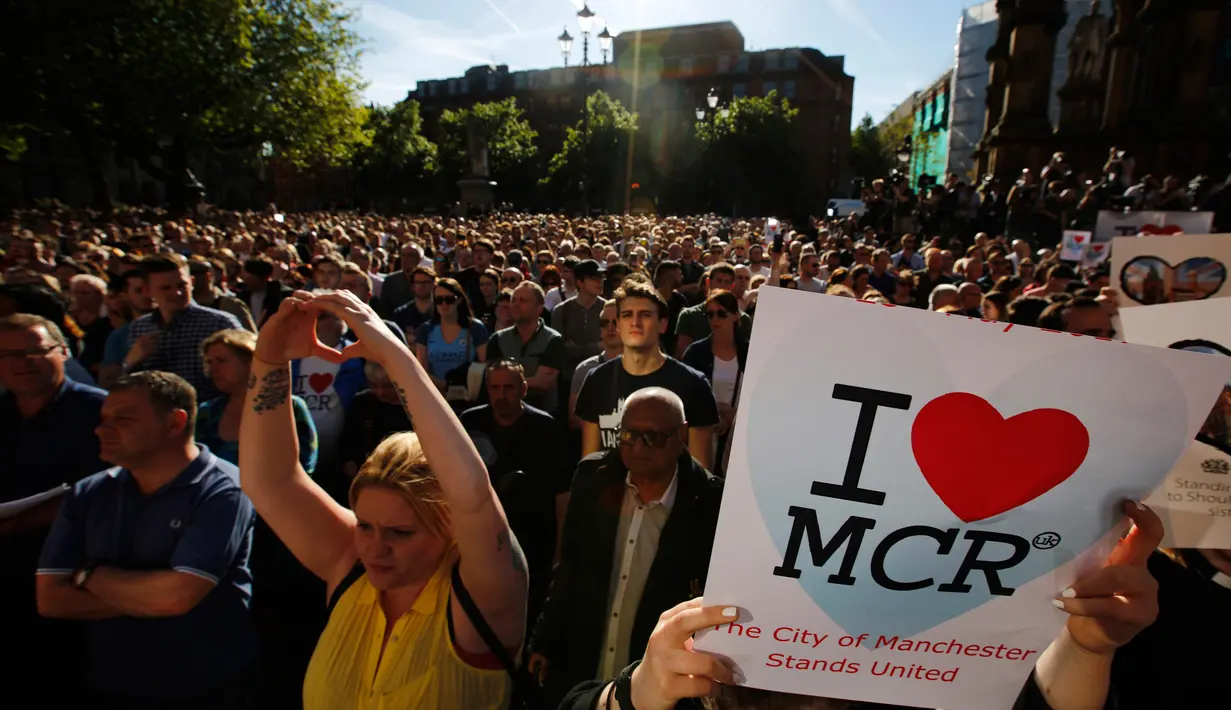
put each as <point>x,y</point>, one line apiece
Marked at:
<point>739,90</point>
<point>452,87</point>
<point>770,86</point>
<point>465,86</point>
<point>491,82</point>
<point>519,80</point>
<point>790,61</point>
<point>724,62</point>
<point>653,68</point>
<point>837,93</point>
<point>686,66</point>
<point>771,61</point>
<point>741,66</point>
<point>788,89</point>
<point>557,77</point>
<point>837,123</point>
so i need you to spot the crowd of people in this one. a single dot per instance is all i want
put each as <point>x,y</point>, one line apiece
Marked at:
<point>356,461</point>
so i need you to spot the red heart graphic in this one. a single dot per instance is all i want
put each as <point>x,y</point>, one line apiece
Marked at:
<point>1154,229</point>
<point>1006,463</point>
<point>1096,248</point>
<point>320,381</point>
<point>1079,238</point>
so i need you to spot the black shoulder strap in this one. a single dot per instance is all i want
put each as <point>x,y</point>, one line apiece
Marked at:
<point>480,624</point>
<point>346,583</point>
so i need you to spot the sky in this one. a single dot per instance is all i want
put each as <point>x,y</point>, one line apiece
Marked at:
<point>892,47</point>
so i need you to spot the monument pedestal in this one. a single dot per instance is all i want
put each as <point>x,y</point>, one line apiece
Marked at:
<point>476,194</point>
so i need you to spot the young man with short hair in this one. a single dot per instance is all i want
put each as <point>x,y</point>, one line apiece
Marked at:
<point>642,318</point>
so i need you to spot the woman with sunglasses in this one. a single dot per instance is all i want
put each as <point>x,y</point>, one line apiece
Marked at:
<point>453,338</point>
<point>721,357</point>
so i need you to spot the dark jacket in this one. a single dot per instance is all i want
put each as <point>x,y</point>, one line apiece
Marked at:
<point>570,631</point>
<point>700,357</point>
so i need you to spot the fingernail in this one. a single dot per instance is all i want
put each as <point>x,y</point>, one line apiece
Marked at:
<point>1140,505</point>
<point>739,678</point>
<point>1069,593</point>
<point>1057,603</point>
<point>730,611</point>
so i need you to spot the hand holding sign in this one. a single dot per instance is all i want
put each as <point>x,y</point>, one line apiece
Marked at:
<point>1111,606</point>
<point>671,671</point>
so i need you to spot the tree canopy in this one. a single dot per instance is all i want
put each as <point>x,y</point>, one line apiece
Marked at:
<point>748,155</point>
<point>165,80</point>
<point>595,156</point>
<point>511,149</point>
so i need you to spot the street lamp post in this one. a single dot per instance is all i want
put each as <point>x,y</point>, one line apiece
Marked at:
<point>604,43</point>
<point>711,100</point>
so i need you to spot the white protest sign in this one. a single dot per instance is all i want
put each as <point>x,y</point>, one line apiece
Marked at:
<point>889,535</point>
<point>1075,245</point>
<point>1195,500</point>
<point>1170,269</point>
<point>1117,223</point>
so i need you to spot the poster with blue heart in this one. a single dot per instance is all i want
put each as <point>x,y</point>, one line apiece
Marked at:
<point>909,491</point>
<point>1195,499</point>
<point>1151,270</point>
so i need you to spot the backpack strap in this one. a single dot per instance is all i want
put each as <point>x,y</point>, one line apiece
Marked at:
<point>347,582</point>
<point>480,624</point>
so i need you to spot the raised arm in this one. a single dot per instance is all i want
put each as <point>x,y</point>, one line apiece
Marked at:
<point>492,565</point>
<point>316,529</point>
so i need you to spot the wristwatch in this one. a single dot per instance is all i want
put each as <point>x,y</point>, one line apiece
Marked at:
<point>81,576</point>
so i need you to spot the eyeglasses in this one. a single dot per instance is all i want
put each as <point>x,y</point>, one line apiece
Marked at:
<point>28,353</point>
<point>445,300</point>
<point>719,314</point>
<point>652,439</point>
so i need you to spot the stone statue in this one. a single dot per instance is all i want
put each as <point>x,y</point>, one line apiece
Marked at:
<point>1087,49</point>
<point>476,150</point>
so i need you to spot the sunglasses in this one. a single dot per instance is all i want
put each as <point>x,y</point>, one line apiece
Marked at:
<point>608,322</point>
<point>652,439</point>
<point>719,314</point>
<point>510,282</point>
<point>445,300</point>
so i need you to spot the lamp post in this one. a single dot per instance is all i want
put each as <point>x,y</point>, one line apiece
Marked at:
<point>604,43</point>
<point>711,101</point>
<point>585,19</point>
<point>566,45</point>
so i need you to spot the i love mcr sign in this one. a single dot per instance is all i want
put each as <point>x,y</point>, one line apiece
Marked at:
<point>909,491</point>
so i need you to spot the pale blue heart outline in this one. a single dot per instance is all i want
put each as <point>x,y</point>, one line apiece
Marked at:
<point>1122,417</point>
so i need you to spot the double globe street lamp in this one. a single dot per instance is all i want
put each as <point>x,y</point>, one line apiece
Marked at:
<point>585,19</point>
<point>712,102</point>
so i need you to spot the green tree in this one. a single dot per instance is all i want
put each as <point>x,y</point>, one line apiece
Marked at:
<point>748,157</point>
<point>167,81</point>
<point>592,163</point>
<point>511,150</point>
<point>874,149</point>
<point>395,159</point>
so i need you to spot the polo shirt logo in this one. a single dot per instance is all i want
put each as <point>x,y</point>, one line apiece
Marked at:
<point>176,524</point>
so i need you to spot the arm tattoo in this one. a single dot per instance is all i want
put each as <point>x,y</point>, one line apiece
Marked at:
<point>507,540</point>
<point>275,388</point>
<point>402,397</point>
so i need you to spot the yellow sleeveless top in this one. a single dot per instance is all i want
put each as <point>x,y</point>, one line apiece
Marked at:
<point>420,669</point>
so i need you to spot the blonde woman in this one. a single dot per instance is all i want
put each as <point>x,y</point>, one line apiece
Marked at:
<point>422,567</point>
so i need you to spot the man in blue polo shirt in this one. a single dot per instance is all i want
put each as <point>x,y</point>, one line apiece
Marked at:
<point>153,555</point>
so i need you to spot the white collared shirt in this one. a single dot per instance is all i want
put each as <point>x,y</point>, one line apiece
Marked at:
<point>636,544</point>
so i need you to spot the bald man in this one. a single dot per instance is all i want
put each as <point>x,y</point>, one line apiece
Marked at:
<point>637,540</point>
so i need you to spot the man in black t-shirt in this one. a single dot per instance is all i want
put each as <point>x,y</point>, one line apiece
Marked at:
<point>642,315</point>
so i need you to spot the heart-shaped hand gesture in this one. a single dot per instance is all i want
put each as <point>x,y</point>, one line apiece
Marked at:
<point>290,334</point>
<point>376,342</point>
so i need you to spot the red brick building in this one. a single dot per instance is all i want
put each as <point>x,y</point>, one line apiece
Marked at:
<point>665,75</point>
